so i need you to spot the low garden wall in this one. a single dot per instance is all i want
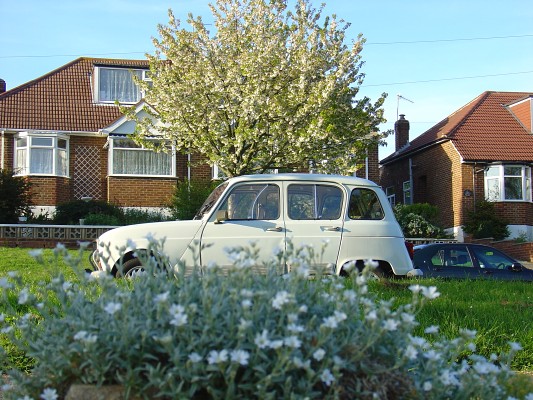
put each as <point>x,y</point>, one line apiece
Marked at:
<point>48,236</point>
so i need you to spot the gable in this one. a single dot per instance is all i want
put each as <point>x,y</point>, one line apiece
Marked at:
<point>523,111</point>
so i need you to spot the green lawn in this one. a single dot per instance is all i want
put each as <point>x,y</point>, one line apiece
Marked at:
<point>499,311</point>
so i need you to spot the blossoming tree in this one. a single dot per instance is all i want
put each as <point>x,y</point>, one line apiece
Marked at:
<point>263,87</point>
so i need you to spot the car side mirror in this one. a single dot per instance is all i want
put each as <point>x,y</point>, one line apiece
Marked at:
<point>221,216</point>
<point>516,267</point>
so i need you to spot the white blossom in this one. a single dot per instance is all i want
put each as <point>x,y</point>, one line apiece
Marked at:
<point>280,299</point>
<point>24,296</point>
<point>162,297</point>
<point>430,292</point>
<point>240,357</point>
<point>49,394</point>
<point>217,357</point>
<point>327,377</point>
<point>261,340</point>
<point>195,357</point>
<point>319,354</point>
<point>292,341</point>
<point>432,329</point>
<point>390,324</point>
<point>112,307</point>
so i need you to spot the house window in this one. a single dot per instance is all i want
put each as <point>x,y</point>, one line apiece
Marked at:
<point>117,84</point>
<point>407,192</point>
<point>391,196</point>
<point>508,183</point>
<point>41,155</point>
<point>129,158</point>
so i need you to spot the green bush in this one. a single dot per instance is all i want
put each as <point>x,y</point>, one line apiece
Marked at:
<point>419,220</point>
<point>189,196</point>
<point>102,219</point>
<point>483,222</point>
<point>207,335</point>
<point>135,216</point>
<point>71,212</point>
<point>15,197</point>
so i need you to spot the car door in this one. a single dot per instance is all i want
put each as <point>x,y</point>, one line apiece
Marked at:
<point>249,215</point>
<point>450,261</point>
<point>314,217</point>
<point>495,264</point>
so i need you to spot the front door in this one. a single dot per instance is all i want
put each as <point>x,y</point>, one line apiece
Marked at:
<point>249,217</point>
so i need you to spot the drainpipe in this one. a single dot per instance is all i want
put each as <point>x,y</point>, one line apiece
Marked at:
<point>189,166</point>
<point>2,150</point>
<point>411,188</point>
<point>367,175</point>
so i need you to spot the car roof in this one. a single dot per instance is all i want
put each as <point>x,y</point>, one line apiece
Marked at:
<point>304,177</point>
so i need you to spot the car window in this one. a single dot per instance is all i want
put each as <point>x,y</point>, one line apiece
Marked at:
<point>492,258</point>
<point>365,204</point>
<point>451,257</point>
<point>255,201</point>
<point>309,202</point>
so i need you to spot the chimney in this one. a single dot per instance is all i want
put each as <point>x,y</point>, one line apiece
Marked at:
<point>2,86</point>
<point>401,129</point>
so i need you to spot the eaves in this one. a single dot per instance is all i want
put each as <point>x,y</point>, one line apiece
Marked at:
<point>413,152</point>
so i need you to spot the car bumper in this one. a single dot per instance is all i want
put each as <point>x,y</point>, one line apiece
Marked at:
<point>415,273</point>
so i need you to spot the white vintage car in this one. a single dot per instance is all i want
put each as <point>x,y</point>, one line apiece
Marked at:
<point>351,214</point>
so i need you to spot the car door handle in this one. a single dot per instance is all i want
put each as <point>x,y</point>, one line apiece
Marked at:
<point>275,229</point>
<point>332,228</point>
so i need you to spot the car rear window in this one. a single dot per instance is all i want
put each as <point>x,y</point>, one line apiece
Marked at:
<point>365,205</point>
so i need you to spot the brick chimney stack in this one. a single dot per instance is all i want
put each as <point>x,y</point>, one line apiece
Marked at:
<point>2,86</point>
<point>401,130</point>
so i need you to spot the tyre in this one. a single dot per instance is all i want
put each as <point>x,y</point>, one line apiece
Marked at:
<point>131,268</point>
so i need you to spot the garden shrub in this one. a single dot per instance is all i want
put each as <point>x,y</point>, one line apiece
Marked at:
<point>207,335</point>
<point>72,211</point>
<point>15,197</point>
<point>188,197</point>
<point>483,222</point>
<point>419,221</point>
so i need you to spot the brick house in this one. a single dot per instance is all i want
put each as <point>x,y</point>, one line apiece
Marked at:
<point>484,150</point>
<point>65,133</point>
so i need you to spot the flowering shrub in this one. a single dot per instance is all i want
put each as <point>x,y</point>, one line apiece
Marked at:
<point>238,334</point>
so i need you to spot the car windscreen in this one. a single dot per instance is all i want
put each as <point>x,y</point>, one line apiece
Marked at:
<point>211,200</point>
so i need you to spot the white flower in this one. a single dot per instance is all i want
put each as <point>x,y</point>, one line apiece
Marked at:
<point>432,355</point>
<point>292,341</point>
<point>195,357</point>
<point>275,344</point>
<point>217,357</point>
<point>410,352</point>
<point>161,298</point>
<point>515,346</point>
<point>319,354</point>
<point>176,309</point>
<point>390,324</point>
<point>430,292</point>
<point>247,303</point>
<point>112,308</point>
<point>529,396</point>
<point>24,296</point>
<point>418,341</point>
<point>37,254</point>
<point>415,288</point>
<point>85,337</point>
<point>427,386</point>
<point>131,244</point>
<point>298,363</point>
<point>340,316</point>
<point>371,264</point>
<point>371,316</point>
<point>261,340</point>
<point>470,334</point>
<point>408,318</point>
<point>280,299</point>
<point>67,286</point>
<point>49,394</point>
<point>166,339</point>
<point>302,309</point>
<point>240,357</point>
<point>349,295</point>
<point>327,377</point>
<point>26,397</point>
<point>244,324</point>
<point>432,329</point>
<point>247,293</point>
<point>330,322</point>
<point>484,367</point>
<point>178,319</point>
<point>4,283</point>
<point>294,328</point>
<point>6,329</point>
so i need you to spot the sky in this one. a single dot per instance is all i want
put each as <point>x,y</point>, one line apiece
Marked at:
<point>431,57</point>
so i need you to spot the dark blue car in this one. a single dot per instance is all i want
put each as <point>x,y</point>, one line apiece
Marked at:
<point>466,260</point>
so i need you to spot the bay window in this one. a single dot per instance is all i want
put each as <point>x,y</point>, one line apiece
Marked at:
<point>130,159</point>
<point>38,154</point>
<point>508,183</point>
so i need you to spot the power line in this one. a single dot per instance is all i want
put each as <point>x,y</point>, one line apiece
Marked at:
<point>76,55</point>
<point>449,40</point>
<point>448,79</point>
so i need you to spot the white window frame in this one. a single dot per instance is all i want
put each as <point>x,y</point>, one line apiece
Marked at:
<point>144,75</point>
<point>391,196</point>
<point>113,149</point>
<point>407,193</point>
<point>496,174</point>
<point>24,167</point>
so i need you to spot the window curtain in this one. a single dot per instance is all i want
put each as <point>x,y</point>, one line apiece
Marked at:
<point>117,84</point>
<point>141,162</point>
<point>41,161</point>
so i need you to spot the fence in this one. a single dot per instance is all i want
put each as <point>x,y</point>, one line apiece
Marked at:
<point>48,236</point>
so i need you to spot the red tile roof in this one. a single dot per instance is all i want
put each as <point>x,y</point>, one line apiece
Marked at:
<point>61,100</point>
<point>483,130</point>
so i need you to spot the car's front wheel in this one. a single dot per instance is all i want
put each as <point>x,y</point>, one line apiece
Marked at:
<point>131,268</point>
